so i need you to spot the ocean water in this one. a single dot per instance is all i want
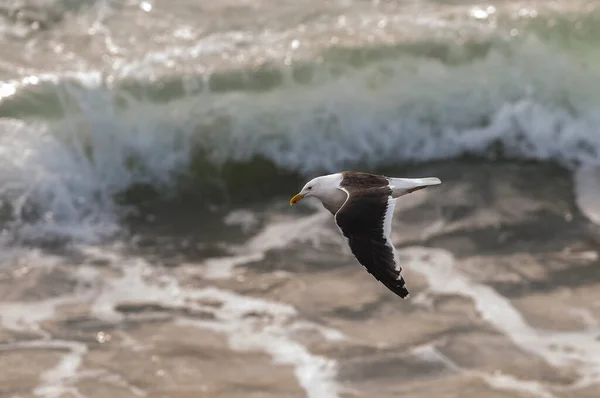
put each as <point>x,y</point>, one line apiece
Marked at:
<point>148,150</point>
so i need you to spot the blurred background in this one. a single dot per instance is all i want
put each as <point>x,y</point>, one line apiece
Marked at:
<point>148,150</point>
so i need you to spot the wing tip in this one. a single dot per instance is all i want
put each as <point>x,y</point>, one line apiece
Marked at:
<point>403,292</point>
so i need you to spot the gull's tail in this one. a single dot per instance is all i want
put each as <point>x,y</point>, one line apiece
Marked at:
<point>403,186</point>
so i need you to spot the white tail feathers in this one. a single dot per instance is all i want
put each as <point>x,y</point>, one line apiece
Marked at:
<point>403,186</point>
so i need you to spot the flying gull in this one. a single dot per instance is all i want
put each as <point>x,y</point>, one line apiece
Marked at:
<point>363,207</point>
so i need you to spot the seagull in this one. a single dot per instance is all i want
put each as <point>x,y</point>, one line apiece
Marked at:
<point>363,207</point>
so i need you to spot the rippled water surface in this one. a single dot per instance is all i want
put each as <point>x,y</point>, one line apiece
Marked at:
<point>148,150</point>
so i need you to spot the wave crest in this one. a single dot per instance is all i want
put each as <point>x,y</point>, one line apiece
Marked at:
<point>526,101</point>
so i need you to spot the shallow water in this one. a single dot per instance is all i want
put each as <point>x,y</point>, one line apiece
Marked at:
<point>502,267</point>
<point>148,150</point>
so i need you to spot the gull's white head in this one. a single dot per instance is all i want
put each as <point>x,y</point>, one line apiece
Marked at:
<point>323,188</point>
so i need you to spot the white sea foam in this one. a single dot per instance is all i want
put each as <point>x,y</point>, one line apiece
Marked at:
<point>250,323</point>
<point>28,316</point>
<point>280,234</point>
<point>587,191</point>
<point>315,373</point>
<point>276,234</point>
<point>242,218</point>
<point>55,382</point>
<point>223,267</point>
<point>496,380</point>
<point>502,381</point>
<point>578,349</point>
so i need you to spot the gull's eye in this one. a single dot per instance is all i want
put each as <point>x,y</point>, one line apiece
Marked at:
<point>309,188</point>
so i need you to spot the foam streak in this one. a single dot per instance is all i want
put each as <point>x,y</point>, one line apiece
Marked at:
<point>579,349</point>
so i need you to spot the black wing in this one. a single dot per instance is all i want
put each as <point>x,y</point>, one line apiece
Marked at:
<point>361,220</point>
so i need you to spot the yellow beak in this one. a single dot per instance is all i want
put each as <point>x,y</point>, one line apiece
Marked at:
<point>296,199</point>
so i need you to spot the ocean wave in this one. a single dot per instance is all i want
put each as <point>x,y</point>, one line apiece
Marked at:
<point>104,145</point>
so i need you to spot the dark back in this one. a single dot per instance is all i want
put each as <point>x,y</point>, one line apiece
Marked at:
<point>353,180</point>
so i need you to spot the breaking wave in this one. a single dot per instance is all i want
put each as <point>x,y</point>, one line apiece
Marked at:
<point>86,147</point>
